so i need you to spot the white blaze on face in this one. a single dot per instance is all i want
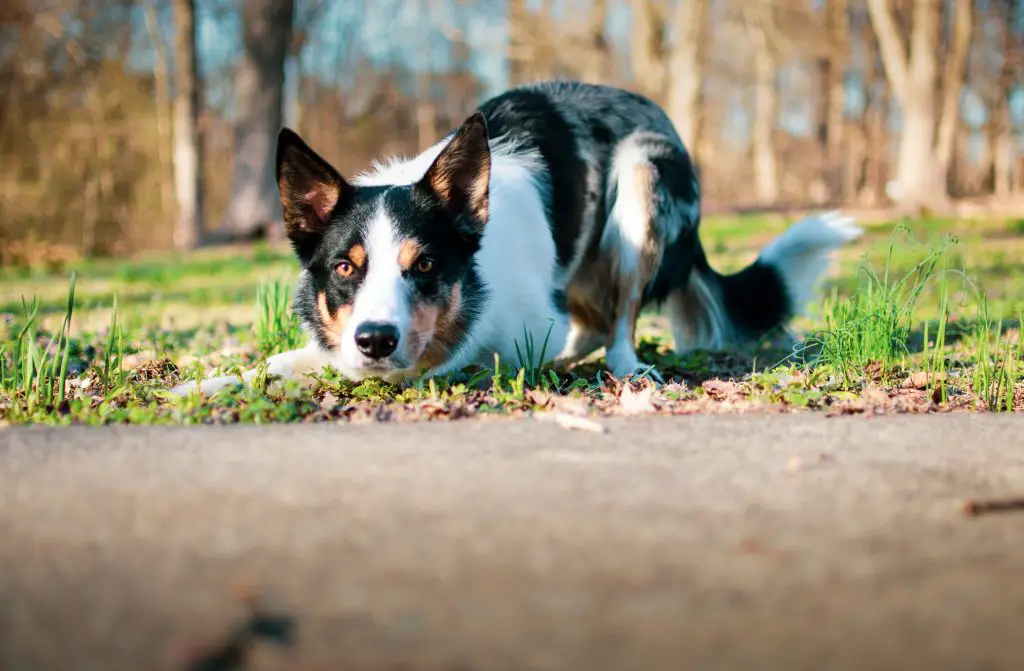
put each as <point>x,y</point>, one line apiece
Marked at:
<point>384,294</point>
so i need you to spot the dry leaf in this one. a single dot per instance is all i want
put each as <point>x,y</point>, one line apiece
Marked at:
<point>330,402</point>
<point>567,421</point>
<point>922,379</point>
<point>637,402</point>
<point>539,398</point>
<point>721,389</point>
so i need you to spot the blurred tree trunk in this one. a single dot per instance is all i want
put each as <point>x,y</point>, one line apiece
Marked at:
<point>766,111</point>
<point>1003,144</point>
<point>952,87</point>
<point>259,101</point>
<point>188,145</point>
<point>913,74</point>
<point>647,47</point>
<point>831,97</point>
<point>426,112</point>
<point>164,138</point>
<point>518,42</point>
<point>686,69</point>
<point>595,65</point>
<point>545,50</point>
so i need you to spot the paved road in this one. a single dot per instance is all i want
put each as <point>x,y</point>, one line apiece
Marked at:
<point>793,542</point>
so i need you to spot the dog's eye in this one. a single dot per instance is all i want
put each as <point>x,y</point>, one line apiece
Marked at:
<point>344,268</point>
<point>424,265</point>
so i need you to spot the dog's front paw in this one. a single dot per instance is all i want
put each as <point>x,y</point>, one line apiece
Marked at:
<point>209,386</point>
<point>629,365</point>
<point>184,389</point>
<point>644,371</point>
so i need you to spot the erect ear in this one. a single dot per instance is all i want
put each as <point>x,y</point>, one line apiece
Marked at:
<point>309,187</point>
<point>460,176</point>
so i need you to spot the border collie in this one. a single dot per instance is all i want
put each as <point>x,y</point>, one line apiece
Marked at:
<point>558,209</point>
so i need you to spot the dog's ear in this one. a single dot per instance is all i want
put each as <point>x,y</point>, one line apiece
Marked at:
<point>460,176</point>
<point>310,190</point>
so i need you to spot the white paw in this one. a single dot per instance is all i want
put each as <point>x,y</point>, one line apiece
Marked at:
<point>209,386</point>
<point>183,389</point>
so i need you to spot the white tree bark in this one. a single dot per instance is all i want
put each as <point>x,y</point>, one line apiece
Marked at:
<point>928,121</point>
<point>188,150</point>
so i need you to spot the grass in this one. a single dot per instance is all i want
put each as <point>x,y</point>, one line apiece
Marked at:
<point>922,316</point>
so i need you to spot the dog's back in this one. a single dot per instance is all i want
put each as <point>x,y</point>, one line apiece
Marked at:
<point>623,204</point>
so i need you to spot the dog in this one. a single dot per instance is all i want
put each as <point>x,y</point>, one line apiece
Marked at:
<point>556,212</point>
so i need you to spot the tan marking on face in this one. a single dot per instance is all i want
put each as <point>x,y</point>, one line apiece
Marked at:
<point>408,253</point>
<point>335,324</point>
<point>358,255</point>
<point>446,327</point>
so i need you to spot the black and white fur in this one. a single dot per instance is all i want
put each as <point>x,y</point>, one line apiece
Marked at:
<point>561,209</point>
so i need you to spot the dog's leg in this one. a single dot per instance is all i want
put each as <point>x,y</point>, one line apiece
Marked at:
<point>288,365</point>
<point>652,178</point>
<point>581,342</point>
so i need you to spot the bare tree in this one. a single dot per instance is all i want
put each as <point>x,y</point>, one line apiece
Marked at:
<point>912,68</point>
<point>519,52</point>
<point>647,46</point>
<point>766,107</point>
<point>595,68</point>
<point>188,152</point>
<point>686,68</point>
<point>1003,144</point>
<point>259,91</point>
<point>162,87</point>
<point>832,94</point>
<point>952,88</point>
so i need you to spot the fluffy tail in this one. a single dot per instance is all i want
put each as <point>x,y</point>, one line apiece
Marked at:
<point>717,311</point>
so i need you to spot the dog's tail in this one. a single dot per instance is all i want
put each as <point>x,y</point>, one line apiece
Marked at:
<point>717,311</point>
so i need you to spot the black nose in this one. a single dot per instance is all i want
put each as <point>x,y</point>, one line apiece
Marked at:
<point>376,340</point>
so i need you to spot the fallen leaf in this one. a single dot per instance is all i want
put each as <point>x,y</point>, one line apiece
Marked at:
<point>330,402</point>
<point>637,402</point>
<point>922,379</point>
<point>539,398</point>
<point>874,370</point>
<point>720,390</point>
<point>567,421</point>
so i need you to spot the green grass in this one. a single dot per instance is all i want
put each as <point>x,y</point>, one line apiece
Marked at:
<point>921,316</point>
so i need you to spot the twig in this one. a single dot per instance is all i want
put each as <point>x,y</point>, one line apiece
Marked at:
<point>232,652</point>
<point>973,508</point>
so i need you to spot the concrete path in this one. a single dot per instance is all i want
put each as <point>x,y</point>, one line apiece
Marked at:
<point>729,542</point>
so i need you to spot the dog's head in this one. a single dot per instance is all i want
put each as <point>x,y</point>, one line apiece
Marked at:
<point>386,268</point>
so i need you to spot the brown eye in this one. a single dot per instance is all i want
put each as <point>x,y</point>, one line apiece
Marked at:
<point>344,268</point>
<point>424,265</point>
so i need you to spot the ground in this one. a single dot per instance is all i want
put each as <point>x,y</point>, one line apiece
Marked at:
<point>666,543</point>
<point>825,526</point>
<point>919,316</point>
